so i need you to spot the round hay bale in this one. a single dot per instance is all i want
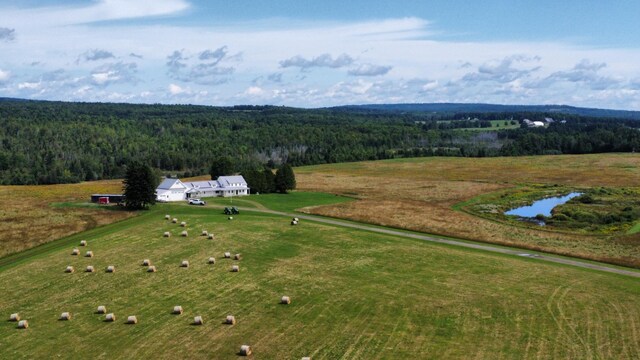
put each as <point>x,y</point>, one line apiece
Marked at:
<point>230,320</point>
<point>293,222</point>
<point>285,300</point>
<point>23,324</point>
<point>177,310</point>
<point>83,243</point>
<point>88,254</point>
<point>184,263</point>
<point>101,309</point>
<point>296,219</point>
<point>245,350</point>
<point>212,260</point>
<point>236,257</point>
<point>183,224</point>
<point>198,320</point>
<point>230,217</point>
<point>205,233</point>
<point>166,234</point>
<point>65,316</point>
<point>110,317</point>
<point>14,317</point>
<point>167,217</point>
<point>184,233</point>
<point>152,269</point>
<point>146,262</point>
<point>69,269</point>
<point>132,319</point>
<point>174,220</point>
<point>227,255</point>
<point>306,358</point>
<point>90,269</point>
<point>111,269</point>
<point>75,252</point>
<point>210,236</point>
<point>235,268</point>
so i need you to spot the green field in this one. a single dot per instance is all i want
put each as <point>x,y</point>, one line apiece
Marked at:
<point>355,295</point>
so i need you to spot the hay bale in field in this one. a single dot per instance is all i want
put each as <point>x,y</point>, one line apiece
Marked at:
<point>230,320</point>
<point>212,260</point>
<point>83,243</point>
<point>205,233</point>
<point>69,269</point>
<point>227,255</point>
<point>110,317</point>
<point>146,262</point>
<point>236,257</point>
<point>75,252</point>
<point>65,316</point>
<point>23,324</point>
<point>245,350</point>
<point>90,269</point>
<point>293,222</point>
<point>306,358</point>
<point>111,269</point>
<point>235,268</point>
<point>132,319</point>
<point>152,269</point>
<point>14,317</point>
<point>285,300</point>
<point>210,236</point>
<point>166,234</point>
<point>177,310</point>
<point>184,263</point>
<point>101,309</point>
<point>174,220</point>
<point>184,233</point>
<point>198,320</point>
<point>230,217</point>
<point>183,224</point>
<point>167,217</point>
<point>89,254</point>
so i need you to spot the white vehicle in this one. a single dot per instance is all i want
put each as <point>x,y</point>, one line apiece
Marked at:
<point>196,202</point>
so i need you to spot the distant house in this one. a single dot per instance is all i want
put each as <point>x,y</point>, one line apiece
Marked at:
<point>107,198</point>
<point>530,123</point>
<point>549,120</point>
<point>538,124</point>
<point>225,186</point>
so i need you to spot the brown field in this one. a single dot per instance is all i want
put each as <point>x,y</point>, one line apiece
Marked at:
<point>419,194</point>
<point>33,218</point>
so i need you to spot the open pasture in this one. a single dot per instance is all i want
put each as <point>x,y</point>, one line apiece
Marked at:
<point>426,194</point>
<point>354,294</point>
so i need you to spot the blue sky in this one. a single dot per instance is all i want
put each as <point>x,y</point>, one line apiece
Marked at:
<point>311,53</point>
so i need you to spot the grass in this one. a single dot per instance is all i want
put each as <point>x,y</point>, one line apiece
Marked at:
<point>41,214</point>
<point>423,194</point>
<point>355,295</point>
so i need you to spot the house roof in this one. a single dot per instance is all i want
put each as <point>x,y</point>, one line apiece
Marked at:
<point>169,183</point>
<point>203,185</point>
<point>226,181</point>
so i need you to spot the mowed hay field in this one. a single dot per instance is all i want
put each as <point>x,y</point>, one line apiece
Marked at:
<point>355,295</point>
<point>31,219</point>
<point>420,194</point>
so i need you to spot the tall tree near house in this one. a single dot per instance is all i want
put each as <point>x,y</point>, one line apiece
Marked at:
<point>285,179</point>
<point>140,184</point>
<point>221,166</point>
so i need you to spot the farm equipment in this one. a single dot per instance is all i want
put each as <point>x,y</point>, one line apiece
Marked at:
<point>231,210</point>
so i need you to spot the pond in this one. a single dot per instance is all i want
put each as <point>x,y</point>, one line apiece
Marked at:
<point>543,206</point>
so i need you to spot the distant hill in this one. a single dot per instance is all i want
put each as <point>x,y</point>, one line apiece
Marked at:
<point>490,108</point>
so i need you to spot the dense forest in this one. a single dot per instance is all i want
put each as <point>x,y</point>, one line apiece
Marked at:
<point>58,142</point>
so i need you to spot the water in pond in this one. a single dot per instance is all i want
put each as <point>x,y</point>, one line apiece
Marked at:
<point>543,206</point>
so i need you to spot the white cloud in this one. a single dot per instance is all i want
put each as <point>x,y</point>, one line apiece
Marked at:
<point>4,75</point>
<point>176,89</point>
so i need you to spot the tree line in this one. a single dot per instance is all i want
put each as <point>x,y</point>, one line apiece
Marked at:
<point>57,142</point>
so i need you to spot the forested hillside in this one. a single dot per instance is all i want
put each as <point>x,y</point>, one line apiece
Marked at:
<point>57,142</point>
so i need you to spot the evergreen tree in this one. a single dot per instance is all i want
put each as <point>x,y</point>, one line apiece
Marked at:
<point>269,180</point>
<point>221,166</point>
<point>285,179</point>
<point>140,184</point>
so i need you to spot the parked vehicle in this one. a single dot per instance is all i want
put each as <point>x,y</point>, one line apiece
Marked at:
<point>197,202</point>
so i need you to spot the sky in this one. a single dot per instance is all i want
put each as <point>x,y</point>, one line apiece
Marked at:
<point>322,53</point>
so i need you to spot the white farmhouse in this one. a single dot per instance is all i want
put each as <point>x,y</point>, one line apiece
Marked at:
<point>176,190</point>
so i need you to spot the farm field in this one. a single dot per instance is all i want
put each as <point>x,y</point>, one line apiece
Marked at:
<point>355,295</point>
<point>40,214</point>
<point>428,195</point>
